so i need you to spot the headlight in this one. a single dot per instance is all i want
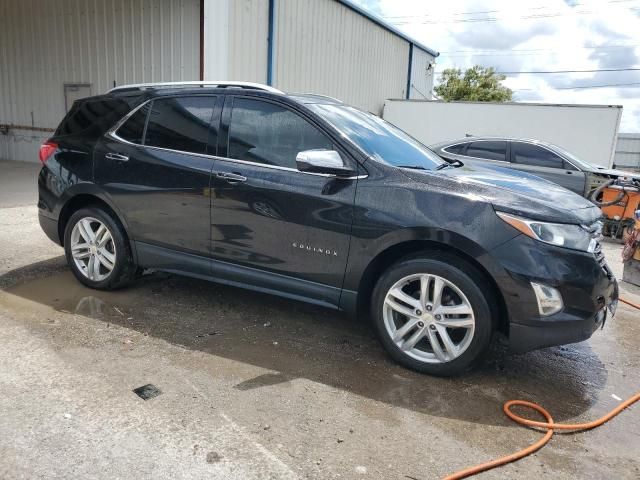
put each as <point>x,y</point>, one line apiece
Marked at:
<point>560,234</point>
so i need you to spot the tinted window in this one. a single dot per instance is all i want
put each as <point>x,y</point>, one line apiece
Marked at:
<point>133,129</point>
<point>488,150</point>
<point>92,118</point>
<point>456,149</point>
<point>266,133</point>
<point>527,154</point>
<point>378,138</point>
<point>180,123</point>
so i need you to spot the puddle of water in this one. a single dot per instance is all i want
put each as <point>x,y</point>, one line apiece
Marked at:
<point>300,341</point>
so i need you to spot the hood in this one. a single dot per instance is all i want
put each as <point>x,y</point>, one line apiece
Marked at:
<point>513,192</point>
<point>616,173</point>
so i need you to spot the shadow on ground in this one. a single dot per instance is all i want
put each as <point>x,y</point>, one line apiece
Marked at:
<point>296,340</point>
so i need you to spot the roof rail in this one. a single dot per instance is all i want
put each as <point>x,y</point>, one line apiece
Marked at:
<point>212,83</point>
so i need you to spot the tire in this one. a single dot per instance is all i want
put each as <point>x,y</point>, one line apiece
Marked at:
<point>115,253</point>
<point>408,318</point>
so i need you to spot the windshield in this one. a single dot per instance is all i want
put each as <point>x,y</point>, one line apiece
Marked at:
<point>379,139</point>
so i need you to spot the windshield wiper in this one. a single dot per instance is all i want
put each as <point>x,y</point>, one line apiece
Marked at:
<point>450,163</point>
<point>413,167</point>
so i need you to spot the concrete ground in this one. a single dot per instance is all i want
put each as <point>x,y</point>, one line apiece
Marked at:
<point>254,386</point>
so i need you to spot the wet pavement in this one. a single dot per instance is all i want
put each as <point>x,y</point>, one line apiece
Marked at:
<point>253,386</point>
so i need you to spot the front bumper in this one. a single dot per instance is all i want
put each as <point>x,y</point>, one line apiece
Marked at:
<point>585,282</point>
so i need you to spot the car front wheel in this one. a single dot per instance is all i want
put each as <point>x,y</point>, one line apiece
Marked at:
<point>431,314</point>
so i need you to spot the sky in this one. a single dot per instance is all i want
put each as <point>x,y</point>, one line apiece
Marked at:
<point>534,36</point>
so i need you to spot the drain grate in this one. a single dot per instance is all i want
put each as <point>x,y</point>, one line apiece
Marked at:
<point>147,391</point>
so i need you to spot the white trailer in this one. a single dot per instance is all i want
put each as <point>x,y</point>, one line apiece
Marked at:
<point>588,131</point>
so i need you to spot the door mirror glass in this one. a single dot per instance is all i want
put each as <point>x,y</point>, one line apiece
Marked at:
<point>322,161</point>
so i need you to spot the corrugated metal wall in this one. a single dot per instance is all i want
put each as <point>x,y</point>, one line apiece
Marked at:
<point>628,151</point>
<point>45,44</point>
<point>421,75</point>
<point>248,32</point>
<point>324,47</point>
<point>321,46</point>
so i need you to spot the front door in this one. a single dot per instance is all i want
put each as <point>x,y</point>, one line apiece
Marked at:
<point>156,171</point>
<point>544,163</point>
<point>268,215</point>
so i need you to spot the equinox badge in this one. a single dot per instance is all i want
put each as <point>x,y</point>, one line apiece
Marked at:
<point>309,248</point>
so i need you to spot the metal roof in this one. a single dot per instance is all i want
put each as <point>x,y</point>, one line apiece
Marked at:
<point>387,26</point>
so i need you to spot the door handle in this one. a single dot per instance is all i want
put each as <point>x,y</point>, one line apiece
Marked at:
<point>117,157</point>
<point>231,177</point>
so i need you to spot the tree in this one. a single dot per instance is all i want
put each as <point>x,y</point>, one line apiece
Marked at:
<point>478,84</point>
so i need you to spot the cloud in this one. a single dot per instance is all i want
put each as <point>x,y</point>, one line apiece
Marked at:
<point>615,57</point>
<point>534,36</point>
<point>499,36</point>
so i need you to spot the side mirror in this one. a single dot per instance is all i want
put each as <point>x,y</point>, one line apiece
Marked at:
<point>323,161</point>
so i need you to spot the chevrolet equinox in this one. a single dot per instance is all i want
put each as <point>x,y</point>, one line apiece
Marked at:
<point>306,197</point>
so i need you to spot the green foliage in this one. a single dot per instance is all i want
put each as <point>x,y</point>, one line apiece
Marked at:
<point>478,84</point>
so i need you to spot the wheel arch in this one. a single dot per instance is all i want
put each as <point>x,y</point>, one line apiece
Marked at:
<point>411,248</point>
<point>84,199</point>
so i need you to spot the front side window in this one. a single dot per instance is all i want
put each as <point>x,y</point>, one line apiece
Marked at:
<point>528,154</point>
<point>133,129</point>
<point>180,123</point>
<point>263,132</point>
<point>489,150</point>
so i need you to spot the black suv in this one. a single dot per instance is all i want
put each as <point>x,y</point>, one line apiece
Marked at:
<point>306,197</point>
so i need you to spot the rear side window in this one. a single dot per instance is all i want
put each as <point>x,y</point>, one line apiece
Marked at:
<point>266,133</point>
<point>489,150</point>
<point>527,154</point>
<point>133,129</point>
<point>456,149</point>
<point>180,123</point>
<point>92,118</point>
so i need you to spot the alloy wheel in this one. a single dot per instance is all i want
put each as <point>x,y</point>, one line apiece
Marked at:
<point>429,318</point>
<point>93,249</point>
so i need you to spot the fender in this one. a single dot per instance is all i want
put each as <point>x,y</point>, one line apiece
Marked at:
<point>95,191</point>
<point>358,262</point>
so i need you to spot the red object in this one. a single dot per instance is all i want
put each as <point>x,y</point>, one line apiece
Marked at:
<point>46,150</point>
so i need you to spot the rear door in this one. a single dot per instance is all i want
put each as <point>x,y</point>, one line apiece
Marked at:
<point>540,161</point>
<point>268,215</point>
<point>156,169</point>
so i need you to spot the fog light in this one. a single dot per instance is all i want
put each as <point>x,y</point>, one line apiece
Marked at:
<point>549,299</point>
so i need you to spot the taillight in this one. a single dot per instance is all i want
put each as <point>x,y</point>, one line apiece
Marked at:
<point>46,150</point>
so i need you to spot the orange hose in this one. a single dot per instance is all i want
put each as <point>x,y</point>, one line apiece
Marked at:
<point>631,304</point>
<point>550,425</point>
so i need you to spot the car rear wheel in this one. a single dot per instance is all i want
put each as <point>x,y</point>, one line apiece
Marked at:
<point>97,249</point>
<point>431,314</point>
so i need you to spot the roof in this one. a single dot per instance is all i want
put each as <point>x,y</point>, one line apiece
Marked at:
<point>387,26</point>
<point>483,138</point>
<point>517,104</point>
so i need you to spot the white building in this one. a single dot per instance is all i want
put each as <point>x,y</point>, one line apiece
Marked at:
<point>628,152</point>
<point>53,52</point>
